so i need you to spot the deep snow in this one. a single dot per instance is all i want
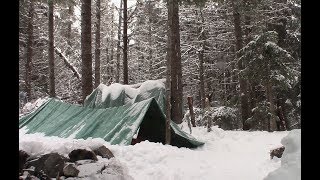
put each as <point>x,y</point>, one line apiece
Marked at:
<point>291,158</point>
<point>226,155</point>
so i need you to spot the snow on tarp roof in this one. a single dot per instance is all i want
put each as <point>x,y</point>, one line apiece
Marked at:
<point>118,95</point>
<point>113,120</point>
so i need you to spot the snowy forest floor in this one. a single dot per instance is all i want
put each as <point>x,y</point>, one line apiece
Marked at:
<point>226,155</point>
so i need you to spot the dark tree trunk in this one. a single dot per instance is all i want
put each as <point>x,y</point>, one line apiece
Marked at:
<point>272,120</point>
<point>125,43</point>
<point>52,92</point>
<point>201,72</point>
<point>174,57</point>
<point>29,52</point>
<point>168,104</point>
<point>86,54</point>
<point>209,120</point>
<point>243,83</point>
<point>190,104</point>
<point>247,38</point>
<point>97,49</point>
<point>201,60</point>
<point>168,99</point>
<point>118,45</point>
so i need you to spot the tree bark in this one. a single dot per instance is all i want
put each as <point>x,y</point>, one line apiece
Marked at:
<point>201,60</point>
<point>243,84</point>
<point>29,52</point>
<point>190,104</point>
<point>168,101</point>
<point>174,56</point>
<point>97,48</point>
<point>118,45</point>
<point>168,105</point>
<point>86,54</point>
<point>272,121</point>
<point>125,43</point>
<point>201,71</point>
<point>52,92</point>
<point>209,121</point>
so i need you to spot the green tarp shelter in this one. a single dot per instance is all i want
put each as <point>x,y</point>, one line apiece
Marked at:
<point>110,113</point>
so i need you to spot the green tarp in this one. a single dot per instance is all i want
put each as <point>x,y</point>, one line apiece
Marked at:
<point>115,120</point>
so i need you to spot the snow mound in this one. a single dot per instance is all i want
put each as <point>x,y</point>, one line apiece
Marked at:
<point>38,144</point>
<point>32,106</point>
<point>291,158</point>
<point>129,92</point>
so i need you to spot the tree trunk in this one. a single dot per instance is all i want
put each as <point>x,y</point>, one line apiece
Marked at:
<point>201,60</point>
<point>86,54</point>
<point>190,104</point>
<point>243,83</point>
<point>168,100</point>
<point>272,121</point>
<point>250,85</point>
<point>29,52</point>
<point>202,95</point>
<point>118,45</point>
<point>125,43</point>
<point>97,49</point>
<point>174,56</point>
<point>52,92</point>
<point>209,121</point>
<point>168,105</point>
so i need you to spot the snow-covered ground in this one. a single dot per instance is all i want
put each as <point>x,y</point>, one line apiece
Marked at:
<point>226,155</point>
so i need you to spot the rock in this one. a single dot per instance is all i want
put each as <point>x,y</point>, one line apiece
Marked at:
<point>86,161</point>
<point>70,170</point>
<point>103,152</point>
<point>23,156</point>
<point>277,152</point>
<point>80,154</point>
<point>29,176</point>
<point>48,164</point>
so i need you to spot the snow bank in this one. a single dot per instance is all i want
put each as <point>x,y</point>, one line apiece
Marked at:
<point>226,155</point>
<point>38,144</point>
<point>32,106</point>
<point>290,160</point>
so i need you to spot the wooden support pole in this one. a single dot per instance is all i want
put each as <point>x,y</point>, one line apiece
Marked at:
<point>190,104</point>
<point>207,104</point>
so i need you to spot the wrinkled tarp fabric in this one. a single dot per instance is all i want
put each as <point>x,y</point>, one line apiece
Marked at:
<point>116,125</point>
<point>102,97</point>
<point>115,119</point>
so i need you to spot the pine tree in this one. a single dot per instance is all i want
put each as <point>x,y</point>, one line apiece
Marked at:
<point>86,54</point>
<point>52,92</point>
<point>174,58</point>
